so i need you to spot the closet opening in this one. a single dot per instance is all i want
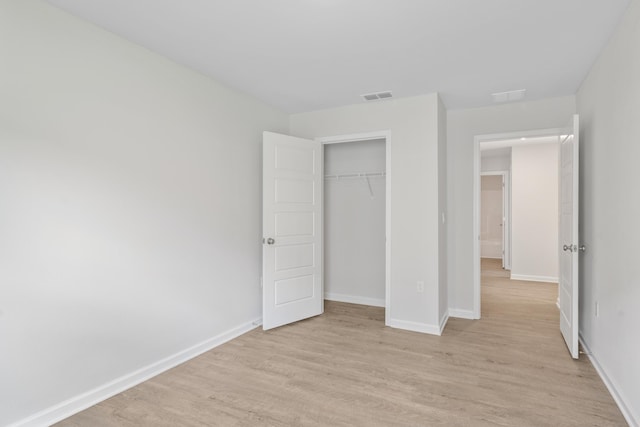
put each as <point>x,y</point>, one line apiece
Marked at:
<point>356,219</point>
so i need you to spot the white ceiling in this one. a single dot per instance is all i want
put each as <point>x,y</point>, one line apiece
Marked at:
<point>302,55</point>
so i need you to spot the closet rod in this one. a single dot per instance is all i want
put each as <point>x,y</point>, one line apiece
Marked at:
<point>356,175</point>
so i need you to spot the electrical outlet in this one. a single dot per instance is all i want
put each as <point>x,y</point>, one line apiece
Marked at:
<point>420,286</point>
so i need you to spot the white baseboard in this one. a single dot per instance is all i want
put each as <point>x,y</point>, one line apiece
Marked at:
<point>632,419</point>
<point>83,401</point>
<point>462,314</point>
<point>352,299</point>
<point>528,278</point>
<point>443,322</point>
<point>407,325</point>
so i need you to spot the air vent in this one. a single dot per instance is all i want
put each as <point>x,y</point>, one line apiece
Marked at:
<point>510,96</point>
<point>378,95</point>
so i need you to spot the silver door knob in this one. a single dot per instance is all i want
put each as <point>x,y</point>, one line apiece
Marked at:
<point>583,248</point>
<point>567,248</point>
<point>270,241</point>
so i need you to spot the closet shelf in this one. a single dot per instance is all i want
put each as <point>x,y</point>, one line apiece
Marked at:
<point>357,175</point>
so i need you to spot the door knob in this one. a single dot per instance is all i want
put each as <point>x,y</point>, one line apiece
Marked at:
<point>270,241</point>
<point>583,248</point>
<point>567,248</point>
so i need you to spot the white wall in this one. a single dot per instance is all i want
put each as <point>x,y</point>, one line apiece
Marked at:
<point>491,212</point>
<point>491,163</point>
<point>534,212</point>
<point>414,195</point>
<point>442,208</point>
<point>130,220</point>
<point>354,233</point>
<point>608,103</point>
<point>462,126</point>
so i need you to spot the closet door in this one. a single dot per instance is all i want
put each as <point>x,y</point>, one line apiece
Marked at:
<point>292,229</point>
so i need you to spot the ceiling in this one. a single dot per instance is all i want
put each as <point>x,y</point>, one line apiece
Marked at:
<point>302,55</point>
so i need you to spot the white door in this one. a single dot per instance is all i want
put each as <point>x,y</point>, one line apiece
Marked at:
<point>292,229</point>
<point>568,286</point>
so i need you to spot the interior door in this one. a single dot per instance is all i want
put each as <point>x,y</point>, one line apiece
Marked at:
<point>292,229</point>
<point>568,263</point>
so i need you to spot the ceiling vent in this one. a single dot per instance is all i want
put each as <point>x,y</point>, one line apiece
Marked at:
<point>378,95</point>
<point>510,96</point>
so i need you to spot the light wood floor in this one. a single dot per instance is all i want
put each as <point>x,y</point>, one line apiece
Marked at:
<point>345,368</point>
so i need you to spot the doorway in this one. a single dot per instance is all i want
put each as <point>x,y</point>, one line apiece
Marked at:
<point>529,210</point>
<point>494,216</point>
<point>357,200</point>
<point>354,222</point>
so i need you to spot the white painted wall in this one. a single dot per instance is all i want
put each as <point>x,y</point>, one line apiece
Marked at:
<point>354,233</point>
<point>442,208</point>
<point>491,163</point>
<point>608,103</point>
<point>130,220</point>
<point>462,126</point>
<point>534,212</point>
<point>414,195</point>
<point>491,216</point>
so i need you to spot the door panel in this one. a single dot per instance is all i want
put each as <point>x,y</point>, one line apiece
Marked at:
<point>292,229</point>
<point>569,239</point>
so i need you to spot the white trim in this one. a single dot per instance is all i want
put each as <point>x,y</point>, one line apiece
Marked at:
<point>407,325</point>
<point>83,401</point>
<point>443,322</point>
<point>475,238</point>
<point>367,136</point>
<point>353,299</point>
<point>364,136</point>
<point>462,314</point>
<point>632,419</point>
<point>528,278</point>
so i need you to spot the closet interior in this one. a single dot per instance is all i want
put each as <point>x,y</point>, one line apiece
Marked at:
<point>354,228</point>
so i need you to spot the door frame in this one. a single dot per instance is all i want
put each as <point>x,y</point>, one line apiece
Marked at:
<point>506,215</point>
<point>368,136</point>
<point>477,140</point>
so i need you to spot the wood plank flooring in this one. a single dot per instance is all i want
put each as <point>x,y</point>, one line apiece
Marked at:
<point>345,368</point>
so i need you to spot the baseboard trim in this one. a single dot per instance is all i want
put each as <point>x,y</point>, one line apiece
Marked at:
<point>632,419</point>
<point>443,322</point>
<point>352,299</point>
<point>85,400</point>
<point>462,314</point>
<point>407,325</point>
<point>528,278</point>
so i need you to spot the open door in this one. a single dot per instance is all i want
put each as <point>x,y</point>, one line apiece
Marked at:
<point>292,229</point>
<point>569,257</point>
